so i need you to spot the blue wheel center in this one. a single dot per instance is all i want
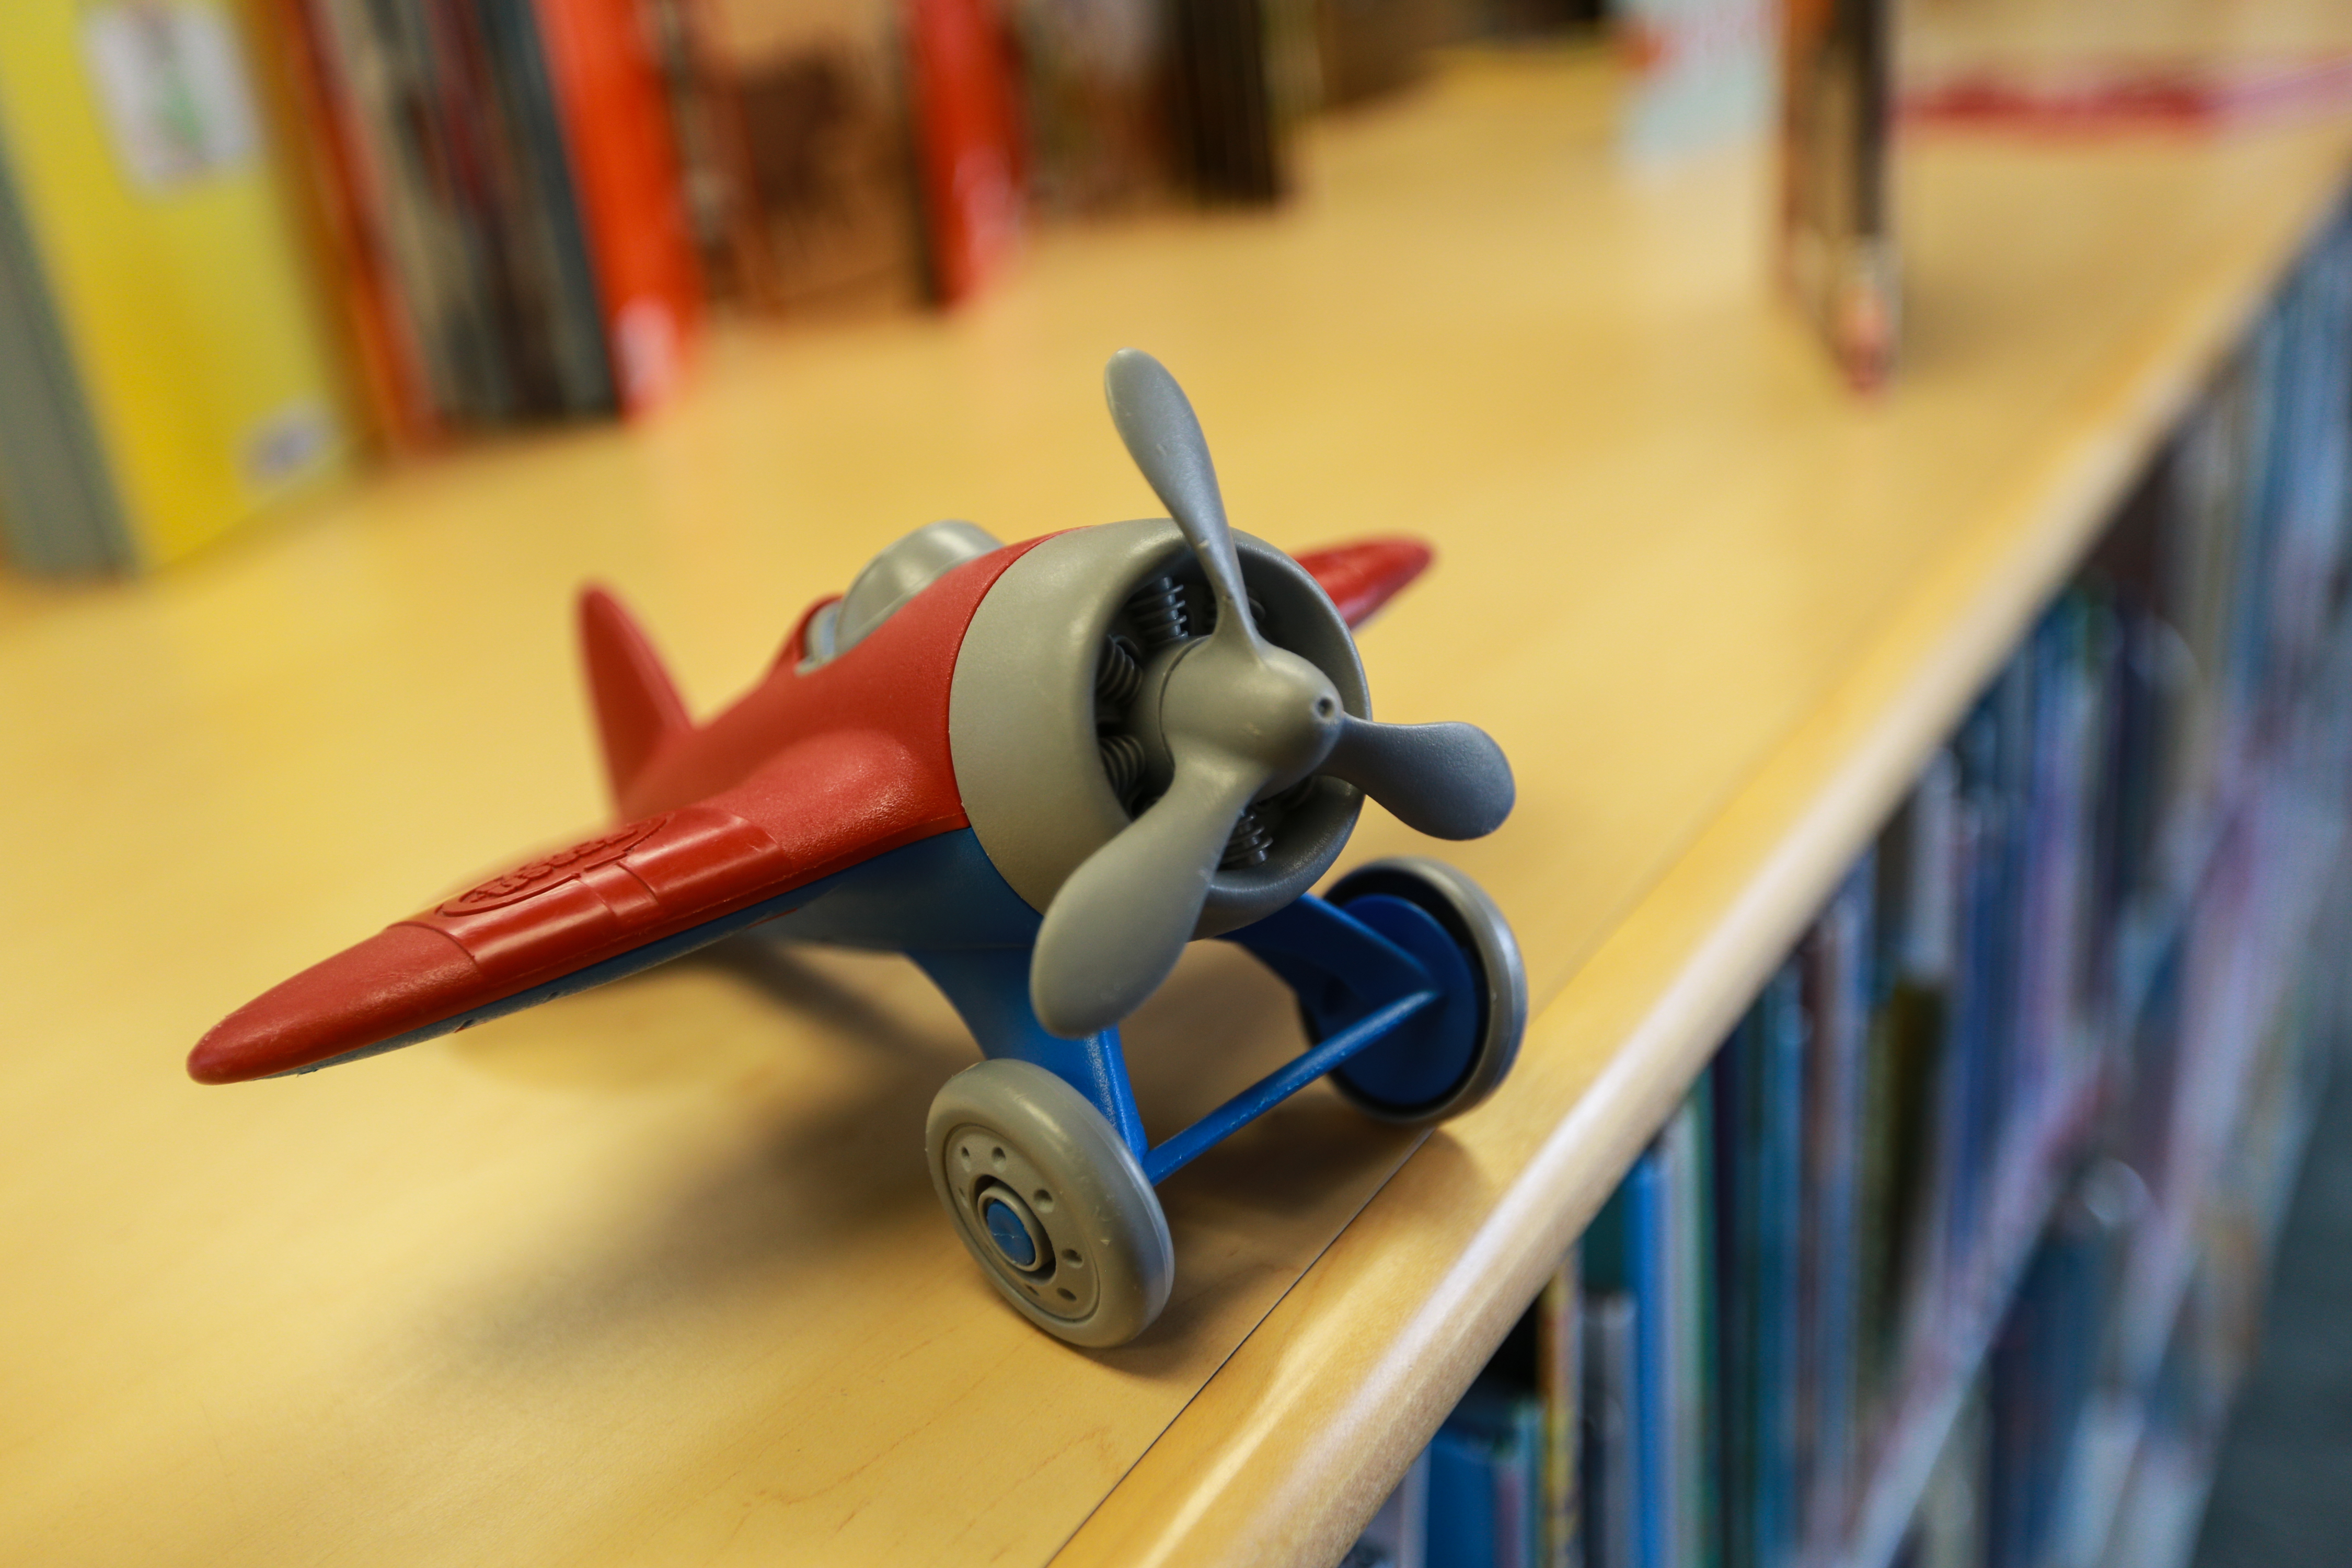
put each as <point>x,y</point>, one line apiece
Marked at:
<point>1007,1231</point>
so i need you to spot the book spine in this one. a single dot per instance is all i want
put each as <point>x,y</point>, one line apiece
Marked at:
<point>59,511</point>
<point>1559,1379</point>
<point>1610,1470</point>
<point>1650,1249</point>
<point>347,204</point>
<point>1976,1197</point>
<point>606,109</point>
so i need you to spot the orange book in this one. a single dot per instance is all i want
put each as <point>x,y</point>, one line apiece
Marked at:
<point>624,167</point>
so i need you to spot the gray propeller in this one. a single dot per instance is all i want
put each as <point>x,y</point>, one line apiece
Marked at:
<point>1241,720</point>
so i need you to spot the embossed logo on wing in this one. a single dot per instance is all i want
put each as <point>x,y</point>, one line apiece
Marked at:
<point>552,870</point>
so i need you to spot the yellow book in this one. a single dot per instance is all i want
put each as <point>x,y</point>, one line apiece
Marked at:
<point>164,373</point>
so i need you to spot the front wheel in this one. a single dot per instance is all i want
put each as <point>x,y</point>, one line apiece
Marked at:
<point>1454,1055</point>
<point>1051,1203</point>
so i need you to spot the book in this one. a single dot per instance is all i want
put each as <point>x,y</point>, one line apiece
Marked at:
<point>167,370</point>
<point>1560,1372</point>
<point>505,195</point>
<point>1838,256</point>
<point>960,96</point>
<point>1687,1146</point>
<point>379,342</point>
<point>1834,963</point>
<point>1093,79</point>
<point>1608,1462</point>
<point>1398,1535</point>
<point>1700,75</point>
<point>1772,1199</point>
<point>1244,75</point>
<point>1652,1242</point>
<point>1485,1508</point>
<point>869,152</point>
<point>613,136</point>
<point>2007,1131</point>
<point>1625,1255</point>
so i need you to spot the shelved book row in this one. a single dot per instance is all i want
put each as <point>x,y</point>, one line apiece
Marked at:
<point>1951,1255</point>
<point>236,234</point>
<point>241,238</point>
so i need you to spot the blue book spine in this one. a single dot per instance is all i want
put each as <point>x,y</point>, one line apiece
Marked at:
<point>1649,1263</point>
<point>1485,1506</point>
<point>1462,1523</point>
<point>1779,1274</point>
<point>1736,1086</point>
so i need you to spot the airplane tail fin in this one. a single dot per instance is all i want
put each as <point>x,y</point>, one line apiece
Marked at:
<point>637,705</point>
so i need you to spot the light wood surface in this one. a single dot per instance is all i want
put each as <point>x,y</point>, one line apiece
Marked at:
<point>653,1275</point>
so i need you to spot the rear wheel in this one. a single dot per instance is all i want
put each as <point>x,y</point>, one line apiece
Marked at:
<point>1454,1054</point>
<point>1051,1203</point>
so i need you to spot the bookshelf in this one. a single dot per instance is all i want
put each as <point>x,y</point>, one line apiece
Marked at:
<point>654,1275</point>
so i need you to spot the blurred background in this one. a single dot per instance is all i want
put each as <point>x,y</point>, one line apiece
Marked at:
<point>358,229</point>
<point>1957,1257</point>
<point>381,226</point>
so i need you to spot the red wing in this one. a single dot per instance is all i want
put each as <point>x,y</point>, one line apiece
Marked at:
<point>646,889</point>
<point>1363,576</point>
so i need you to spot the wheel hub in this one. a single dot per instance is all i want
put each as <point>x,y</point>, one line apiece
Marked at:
<point>1013,1230</point>
<point>1023,1232</point>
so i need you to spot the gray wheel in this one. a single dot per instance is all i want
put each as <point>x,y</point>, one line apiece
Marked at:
<point>1473,1038</point>
<point>1049,1199</point>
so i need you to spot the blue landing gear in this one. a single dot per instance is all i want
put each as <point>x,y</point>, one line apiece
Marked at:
<point>1413,999</point>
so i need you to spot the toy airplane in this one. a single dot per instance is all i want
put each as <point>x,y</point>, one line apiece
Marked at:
<point>1037,770</point>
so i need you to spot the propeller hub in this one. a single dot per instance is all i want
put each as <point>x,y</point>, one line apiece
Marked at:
<point>1257,705</point>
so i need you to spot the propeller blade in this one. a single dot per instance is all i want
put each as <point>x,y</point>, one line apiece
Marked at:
<point>1163,436</point>
<point>1119,924</point>
<point>1449,781</point>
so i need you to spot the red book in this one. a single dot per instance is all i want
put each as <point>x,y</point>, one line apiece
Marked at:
<point>965,140</point>
<point>624,169</point>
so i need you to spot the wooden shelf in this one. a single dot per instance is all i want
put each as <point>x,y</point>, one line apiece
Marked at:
<point>654,1275</point>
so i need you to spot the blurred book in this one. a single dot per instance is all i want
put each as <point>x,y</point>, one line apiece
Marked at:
<point>1095,81</point>
<point>1485,1480</point>
<point>503,192</point>
<point>1500,1482</point>
<point>1948,1532</point>
<point>1651,1244</point>
<point>1559,1384</point>
<point>1757,1085</point>
<point>612,119</point>
<point>1835,962</point>
<point>1245,72</point>
<point>1952,1255</point>
<point>1608,1467</point>
<point>1838,253</point>
<point>960,73</point>
<point>1699,75</point>
<point>714,168</point>
<point>848,154</point>
<point>805,100</point>
<point>164,375</point>
<point>1398,1535</point>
